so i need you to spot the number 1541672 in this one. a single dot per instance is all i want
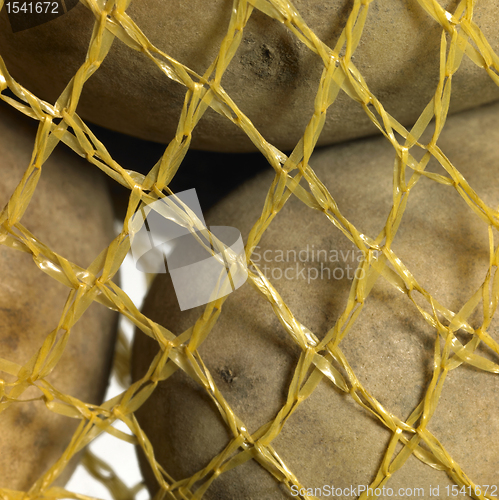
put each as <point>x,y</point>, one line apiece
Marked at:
<point>33,7</point>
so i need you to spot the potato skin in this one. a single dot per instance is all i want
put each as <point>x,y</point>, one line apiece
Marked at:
<point>330,440</point>
<point>273,77</point>
<point>71,213</point>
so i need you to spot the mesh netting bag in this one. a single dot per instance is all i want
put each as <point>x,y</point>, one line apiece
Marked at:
<point>413,146</point>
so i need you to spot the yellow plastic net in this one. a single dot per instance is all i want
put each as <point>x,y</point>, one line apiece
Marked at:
<point>59,121</point>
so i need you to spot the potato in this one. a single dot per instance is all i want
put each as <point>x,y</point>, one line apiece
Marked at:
<point>71,213</point>
<point>330,439</point>
<point>273,77</point>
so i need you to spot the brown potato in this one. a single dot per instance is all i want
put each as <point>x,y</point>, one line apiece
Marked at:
<point>273,77</point>
<point>330,439</point>
<point>71,213</point>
